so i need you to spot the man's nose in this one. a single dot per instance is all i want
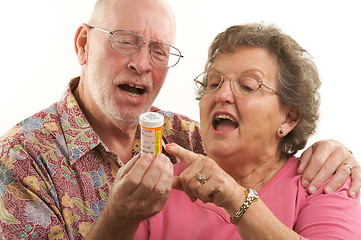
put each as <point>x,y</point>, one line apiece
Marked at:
<point>141,61</point>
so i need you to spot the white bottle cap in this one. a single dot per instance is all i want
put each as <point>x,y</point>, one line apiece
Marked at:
<point>151,119</point>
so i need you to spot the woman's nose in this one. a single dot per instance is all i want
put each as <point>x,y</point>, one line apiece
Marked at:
<point>225,92</point>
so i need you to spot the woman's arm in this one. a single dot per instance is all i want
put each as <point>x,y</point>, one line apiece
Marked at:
<point>258,222</point>
<point>216,186</point>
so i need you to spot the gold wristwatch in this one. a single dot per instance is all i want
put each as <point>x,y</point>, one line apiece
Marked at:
<point>251,195</point>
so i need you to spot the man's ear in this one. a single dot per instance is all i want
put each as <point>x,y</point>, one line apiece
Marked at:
<point>291,120</point>
<point>80,41</point>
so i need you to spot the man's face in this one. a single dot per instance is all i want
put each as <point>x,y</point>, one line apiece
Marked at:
<point>124,86</point>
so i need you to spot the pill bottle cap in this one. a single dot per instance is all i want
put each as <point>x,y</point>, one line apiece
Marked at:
<point>151,119</point>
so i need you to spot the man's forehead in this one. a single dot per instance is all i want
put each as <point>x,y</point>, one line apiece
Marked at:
<point>147,19</point>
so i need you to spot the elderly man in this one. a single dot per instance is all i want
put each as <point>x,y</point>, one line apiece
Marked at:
<point>72,170</point>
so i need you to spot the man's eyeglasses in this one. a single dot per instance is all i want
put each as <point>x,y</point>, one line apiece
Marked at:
<point>241,84</point>
<point>128,43</point>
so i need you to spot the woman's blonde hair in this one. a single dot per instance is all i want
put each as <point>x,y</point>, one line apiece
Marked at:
<point>297,80</point>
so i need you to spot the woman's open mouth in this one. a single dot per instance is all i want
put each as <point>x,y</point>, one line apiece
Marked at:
<point>224,123</point>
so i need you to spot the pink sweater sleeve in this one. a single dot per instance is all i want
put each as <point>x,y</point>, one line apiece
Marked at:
<point>317,220</point>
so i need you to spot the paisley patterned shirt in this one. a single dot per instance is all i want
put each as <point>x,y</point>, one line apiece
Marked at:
<point>55,172</point>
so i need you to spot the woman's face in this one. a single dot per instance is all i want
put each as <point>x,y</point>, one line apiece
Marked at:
<point>246,125</point>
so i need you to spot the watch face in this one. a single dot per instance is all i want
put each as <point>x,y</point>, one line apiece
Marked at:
<point>252,193</point>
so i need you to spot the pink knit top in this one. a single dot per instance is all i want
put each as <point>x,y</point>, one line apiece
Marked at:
<point>318,216</point>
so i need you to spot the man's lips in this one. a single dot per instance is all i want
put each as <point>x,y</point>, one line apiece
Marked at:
<point>132,90</point>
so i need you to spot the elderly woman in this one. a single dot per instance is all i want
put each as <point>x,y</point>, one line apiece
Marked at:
<point>259,104</point>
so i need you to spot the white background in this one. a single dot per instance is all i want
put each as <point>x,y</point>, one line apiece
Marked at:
<point>38,58</point>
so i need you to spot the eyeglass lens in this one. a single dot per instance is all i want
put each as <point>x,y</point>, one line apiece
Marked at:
<point>242,84</point>
<point>128,43</point>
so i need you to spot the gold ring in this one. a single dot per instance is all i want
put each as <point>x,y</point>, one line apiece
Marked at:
<point>348,165</point>
<point>201,178</point>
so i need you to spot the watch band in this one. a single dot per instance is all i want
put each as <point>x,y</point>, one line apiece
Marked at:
<point>251,196</point>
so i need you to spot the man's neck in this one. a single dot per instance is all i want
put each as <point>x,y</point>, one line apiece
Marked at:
<point>120,138</point>
<point>118,135</point>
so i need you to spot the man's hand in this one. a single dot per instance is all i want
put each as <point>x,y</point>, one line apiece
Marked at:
<point>141,188</point>
<point>325,158</point>
<point>139,191</point>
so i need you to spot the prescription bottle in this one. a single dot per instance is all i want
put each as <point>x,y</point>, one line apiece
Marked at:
<point>151,133</point>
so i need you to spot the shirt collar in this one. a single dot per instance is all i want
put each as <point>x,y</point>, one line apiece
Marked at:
<point>79,136</point>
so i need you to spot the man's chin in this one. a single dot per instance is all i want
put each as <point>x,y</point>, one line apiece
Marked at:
<point>126,117</point>
<point>129,116</point>
<point>123,112</point>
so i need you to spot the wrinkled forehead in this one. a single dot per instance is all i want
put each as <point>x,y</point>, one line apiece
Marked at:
<point>254,52</point>
<point>150,18</point>
<point>247,59</point>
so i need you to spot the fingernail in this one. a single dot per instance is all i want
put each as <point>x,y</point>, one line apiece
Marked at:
<point>328,190</point>
<point>312,189</point>
<point>147,158</point>
<point>305,182</point>
<point>353,194</point>
<point>162,158</point>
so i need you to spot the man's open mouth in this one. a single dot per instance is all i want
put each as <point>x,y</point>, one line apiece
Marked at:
<point>132,90</point>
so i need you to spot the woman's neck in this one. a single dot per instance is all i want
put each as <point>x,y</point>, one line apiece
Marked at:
<point>253,172</point>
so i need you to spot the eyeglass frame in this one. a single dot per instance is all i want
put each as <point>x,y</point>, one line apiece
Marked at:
<point>260,83</point>
<point>138,49</point>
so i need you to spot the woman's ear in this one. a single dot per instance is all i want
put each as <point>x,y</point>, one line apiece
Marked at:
<point>80,41</point>
<point>291,120</point>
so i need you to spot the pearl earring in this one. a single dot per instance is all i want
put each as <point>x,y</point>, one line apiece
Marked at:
<point>281,131</point>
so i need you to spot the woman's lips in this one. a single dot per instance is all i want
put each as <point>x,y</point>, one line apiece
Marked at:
<point>224,123</point>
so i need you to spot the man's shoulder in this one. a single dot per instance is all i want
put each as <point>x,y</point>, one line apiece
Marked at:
<point>43,122</point>
<point>182,130</point>
<point>178,122</point>
<point>172,115</point>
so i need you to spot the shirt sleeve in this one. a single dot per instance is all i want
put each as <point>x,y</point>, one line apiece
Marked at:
<point>29,208</point>
<point>330,216</point>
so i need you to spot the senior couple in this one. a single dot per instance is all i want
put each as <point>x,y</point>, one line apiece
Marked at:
<point>72,170</point>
